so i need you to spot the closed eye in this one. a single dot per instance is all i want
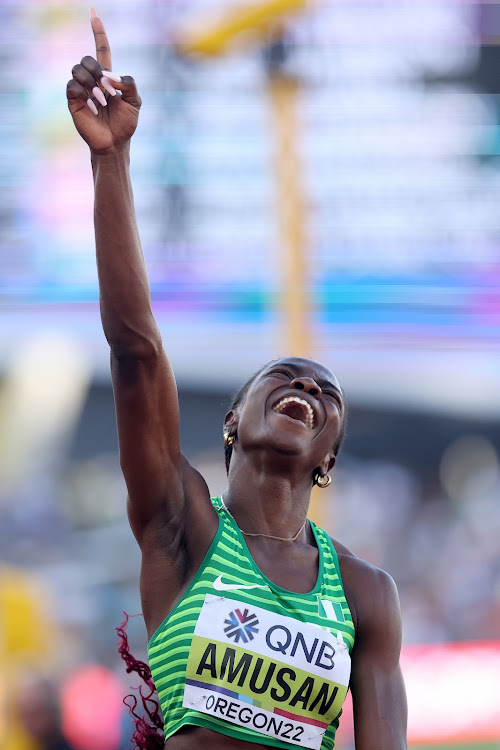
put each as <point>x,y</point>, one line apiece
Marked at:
<point>334,395</point>
<point>282,372</point>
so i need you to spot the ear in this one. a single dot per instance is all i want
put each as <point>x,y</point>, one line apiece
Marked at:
<point>329,462</point>
<point>231,422</point>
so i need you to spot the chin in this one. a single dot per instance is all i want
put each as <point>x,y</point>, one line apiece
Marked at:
<point>288,445</point>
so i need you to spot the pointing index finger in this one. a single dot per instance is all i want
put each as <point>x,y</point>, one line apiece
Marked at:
<point>103,51</point>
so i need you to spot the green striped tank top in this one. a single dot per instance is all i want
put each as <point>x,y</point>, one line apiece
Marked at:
<point>246,658</point>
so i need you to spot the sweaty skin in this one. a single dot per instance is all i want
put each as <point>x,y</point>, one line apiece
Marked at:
<point>274,456</point>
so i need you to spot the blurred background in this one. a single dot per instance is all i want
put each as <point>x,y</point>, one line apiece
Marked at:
<point>327,184</point>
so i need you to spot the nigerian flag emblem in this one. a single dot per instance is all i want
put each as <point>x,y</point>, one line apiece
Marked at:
<point>330,610</point>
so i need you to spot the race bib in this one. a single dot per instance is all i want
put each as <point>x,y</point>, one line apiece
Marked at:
<point>266,672</point>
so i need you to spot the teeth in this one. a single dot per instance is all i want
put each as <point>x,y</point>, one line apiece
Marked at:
<point>296,400</point>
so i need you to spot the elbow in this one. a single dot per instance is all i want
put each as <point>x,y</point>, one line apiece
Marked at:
<point>137,343</point>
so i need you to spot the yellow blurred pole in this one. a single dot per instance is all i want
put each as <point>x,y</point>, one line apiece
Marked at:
<point>283,91</point>
<point>213,37</point>
<point>292,216</point>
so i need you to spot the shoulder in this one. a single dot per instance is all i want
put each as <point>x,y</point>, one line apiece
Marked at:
<point>371,593</point>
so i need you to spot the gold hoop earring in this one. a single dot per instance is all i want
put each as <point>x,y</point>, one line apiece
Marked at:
<point>228,439</point>
<point>322,481</point>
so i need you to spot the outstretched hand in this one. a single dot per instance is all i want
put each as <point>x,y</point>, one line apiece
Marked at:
<point>104,107</point>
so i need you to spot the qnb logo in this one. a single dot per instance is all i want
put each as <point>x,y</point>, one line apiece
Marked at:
<point>241,626</point>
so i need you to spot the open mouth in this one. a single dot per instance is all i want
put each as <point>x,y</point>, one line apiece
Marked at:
<point>296,408</point>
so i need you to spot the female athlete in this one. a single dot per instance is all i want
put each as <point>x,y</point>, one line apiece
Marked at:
<point>258,621</point>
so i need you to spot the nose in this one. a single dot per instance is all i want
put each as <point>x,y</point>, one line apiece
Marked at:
<point>308,385</point>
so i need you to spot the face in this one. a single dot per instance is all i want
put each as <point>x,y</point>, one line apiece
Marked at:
<point>294,407</point>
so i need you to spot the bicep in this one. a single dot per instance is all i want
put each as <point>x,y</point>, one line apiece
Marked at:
<point>147,415</point>
<point>379,697</point>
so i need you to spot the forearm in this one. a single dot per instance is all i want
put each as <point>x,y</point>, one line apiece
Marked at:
<point>381,728</point>
<point>125,298</point>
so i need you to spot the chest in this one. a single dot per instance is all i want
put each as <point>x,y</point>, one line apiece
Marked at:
<point>290,566</point>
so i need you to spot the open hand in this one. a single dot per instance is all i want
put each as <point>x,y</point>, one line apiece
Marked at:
<point>104,108</point>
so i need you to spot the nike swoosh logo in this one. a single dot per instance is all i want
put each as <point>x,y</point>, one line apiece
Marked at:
<point>220,586</point>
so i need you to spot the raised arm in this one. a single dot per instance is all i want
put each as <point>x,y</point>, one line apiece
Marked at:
<point>379,697</point>
<point>158,477</point>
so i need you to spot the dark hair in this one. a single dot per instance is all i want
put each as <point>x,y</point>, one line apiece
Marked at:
<point>148,735</point>
<point>343,427</point>
<point>241,395</point>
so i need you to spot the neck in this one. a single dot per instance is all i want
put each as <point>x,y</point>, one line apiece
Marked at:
<point>266,536</point>
<point>267,504</point>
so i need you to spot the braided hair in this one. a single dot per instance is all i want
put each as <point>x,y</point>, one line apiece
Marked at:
<point>148,734</point>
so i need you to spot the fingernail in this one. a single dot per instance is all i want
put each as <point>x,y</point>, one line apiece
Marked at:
<point>111,76</point>
<point>99,96</point>
<point>93,13</point>
<point>109,88</point>
<point>91,106</point>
